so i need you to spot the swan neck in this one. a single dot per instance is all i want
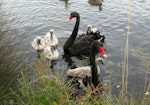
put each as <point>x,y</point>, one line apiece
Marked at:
<point>51,36</point>
<point>93,66</point>
<point>76,27</point>
<point>73,36</point>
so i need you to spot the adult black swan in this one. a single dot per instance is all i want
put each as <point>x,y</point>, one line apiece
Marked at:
<point>80,45</point>
<point>96,45</point>
<point>93,81</point>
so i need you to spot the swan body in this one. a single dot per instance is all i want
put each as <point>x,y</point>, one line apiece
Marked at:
<point>78,45</point>
<point>51,39</point>
<point>93,69</point>
<point>82,72</point>
<point>51,53</point>
<point>96,2</point>
<point>38,43</point>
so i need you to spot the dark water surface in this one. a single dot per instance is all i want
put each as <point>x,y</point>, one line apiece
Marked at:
<point>35,17</point>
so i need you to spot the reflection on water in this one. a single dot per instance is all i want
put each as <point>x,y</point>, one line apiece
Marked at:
<point>36,17</point>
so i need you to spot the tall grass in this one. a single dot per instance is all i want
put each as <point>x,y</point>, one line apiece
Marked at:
<point>46,87</point>
<point>125,70</point>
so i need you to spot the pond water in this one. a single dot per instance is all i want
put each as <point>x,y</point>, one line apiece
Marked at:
<point>32,18</point>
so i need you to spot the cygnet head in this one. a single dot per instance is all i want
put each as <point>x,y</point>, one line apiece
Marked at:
<point>51,31</point>
<point>99,60</point>
<point>38,41</point>
<point>89,26</point>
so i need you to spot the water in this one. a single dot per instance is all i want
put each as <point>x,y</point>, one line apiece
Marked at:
<point>35,17</point>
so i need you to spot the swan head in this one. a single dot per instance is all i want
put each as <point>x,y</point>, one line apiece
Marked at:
<point>53,48</point>
<point>101,48</point>
<point>73,14</point>
<point>51,31</point>
<point>99,60</point>
<point>89,26</point>
<point>38,41</point>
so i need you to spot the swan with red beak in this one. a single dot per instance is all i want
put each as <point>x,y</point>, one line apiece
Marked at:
<point>80,45</point>
<point>93,69</point>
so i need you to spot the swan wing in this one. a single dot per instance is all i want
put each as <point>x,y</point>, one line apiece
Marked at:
<point>82,45</point>
<point>51,55</point>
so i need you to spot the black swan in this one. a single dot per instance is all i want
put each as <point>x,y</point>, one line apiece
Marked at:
<point>93,82</point>
<point>96,45</point>
<point>93,70</point>
<point>80,45</point>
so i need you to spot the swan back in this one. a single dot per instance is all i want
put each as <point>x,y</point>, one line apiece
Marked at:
<point>81,72</point>
<point>38,43</point>
<point>51,53</point>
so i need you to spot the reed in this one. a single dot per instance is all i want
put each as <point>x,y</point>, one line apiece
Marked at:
<point>125,62</point>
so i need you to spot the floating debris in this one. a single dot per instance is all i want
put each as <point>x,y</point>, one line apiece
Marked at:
<point>118,86</point>
<point>147,93</point>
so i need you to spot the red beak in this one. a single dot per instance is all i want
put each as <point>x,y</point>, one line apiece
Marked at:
<point>70,17</point>
<point>102,51</point>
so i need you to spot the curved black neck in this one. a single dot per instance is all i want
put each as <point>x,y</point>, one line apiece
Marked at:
<point>74,32</point>
<point>93,65</point>
<point>76,27</point>
<point>73,36</point>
